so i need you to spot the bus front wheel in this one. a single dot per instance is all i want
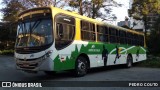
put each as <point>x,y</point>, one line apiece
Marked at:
<point>129,61</point>
<point>81,66</point>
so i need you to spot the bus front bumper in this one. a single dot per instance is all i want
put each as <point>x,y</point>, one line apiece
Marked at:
<point>35,65</point>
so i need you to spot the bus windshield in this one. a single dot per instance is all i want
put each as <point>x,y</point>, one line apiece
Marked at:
<point>33,33</point>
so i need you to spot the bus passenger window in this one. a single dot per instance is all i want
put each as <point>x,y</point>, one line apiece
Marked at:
<point>59,30</point>
<point>113,38</point>
<point>102,33</point>
<point>84,25</point>
<point>87,31</point>
<point>65,31</point>
<point>142,40</point>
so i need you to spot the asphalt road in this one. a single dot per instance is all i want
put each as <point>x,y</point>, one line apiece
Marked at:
<point>8,72</point>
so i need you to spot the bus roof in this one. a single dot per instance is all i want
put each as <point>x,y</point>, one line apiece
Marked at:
<point>73,14</point>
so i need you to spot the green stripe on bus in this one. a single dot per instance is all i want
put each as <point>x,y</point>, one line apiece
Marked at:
<point>93,48</point>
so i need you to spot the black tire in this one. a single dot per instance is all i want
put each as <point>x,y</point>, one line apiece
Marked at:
<point>129,61</point>
<point>81,66</point>
<point>51,73</point>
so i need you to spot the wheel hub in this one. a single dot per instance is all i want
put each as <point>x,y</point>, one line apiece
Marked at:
<point>81,66</point>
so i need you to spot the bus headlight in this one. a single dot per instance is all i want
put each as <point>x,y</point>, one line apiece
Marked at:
<point>49,53</point>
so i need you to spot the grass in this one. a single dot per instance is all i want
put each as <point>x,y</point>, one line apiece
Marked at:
<point>6,52</point>
<point>152,63</point>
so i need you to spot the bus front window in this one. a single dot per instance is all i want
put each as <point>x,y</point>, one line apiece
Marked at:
<point>34,33</point>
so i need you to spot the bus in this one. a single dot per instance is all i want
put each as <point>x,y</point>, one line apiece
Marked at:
<point>50,39</point>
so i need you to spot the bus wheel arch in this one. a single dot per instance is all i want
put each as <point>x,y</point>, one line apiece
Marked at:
<point>82,64</point>
<point>129,60</point>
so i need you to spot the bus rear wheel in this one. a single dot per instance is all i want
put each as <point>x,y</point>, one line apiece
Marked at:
<point>129,61</point>
<point>81,66</point>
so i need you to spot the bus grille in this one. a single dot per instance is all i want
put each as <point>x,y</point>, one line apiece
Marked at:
<point>28,66</point>
<point>27,50</point>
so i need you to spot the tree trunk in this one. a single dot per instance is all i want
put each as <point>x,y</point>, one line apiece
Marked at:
<point>93,9</point>
<point>55,3</point>
<point>80,7</point>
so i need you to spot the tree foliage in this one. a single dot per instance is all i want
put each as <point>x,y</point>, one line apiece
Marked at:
<point>41,3</point>
<point>142,8</point>
<point>7,37</point>
<point>154,39</point>
<point>90,8</point>
<point>12,9</point>
<point>8,29</point>
<point>94,8</point>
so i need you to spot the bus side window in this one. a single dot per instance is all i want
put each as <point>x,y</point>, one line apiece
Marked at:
<point>129,40</point>
<point>113,37</point>
<point>137,40</point>
<point>87,31</point>
<point>107,33</point>
<point>102,33</point>
<point>134,39</point>
<point>122,37</point>
<point>142,40</point>
<point>117,36</point>
<point>65,31</point>
<point>59,30</point>
<point>92,29</point>
<point>125,37</point>
<point>84,25</point>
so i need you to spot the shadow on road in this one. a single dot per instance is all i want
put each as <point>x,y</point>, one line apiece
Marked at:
<point>9,72</point>
<point>68,75</point>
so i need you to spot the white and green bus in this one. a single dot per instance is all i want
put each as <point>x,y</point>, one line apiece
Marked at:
<point>50,39</point>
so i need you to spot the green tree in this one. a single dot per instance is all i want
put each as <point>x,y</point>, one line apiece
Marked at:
<point>94,8</point>
<point>142,8</point>
<point>14,7</point>
<point>154,39</point>
<point>10,15</point>
<point>11,11</point>
<point>42,3</point>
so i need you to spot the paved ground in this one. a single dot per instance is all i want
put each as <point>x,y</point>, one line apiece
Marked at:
<point>8,72</point>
